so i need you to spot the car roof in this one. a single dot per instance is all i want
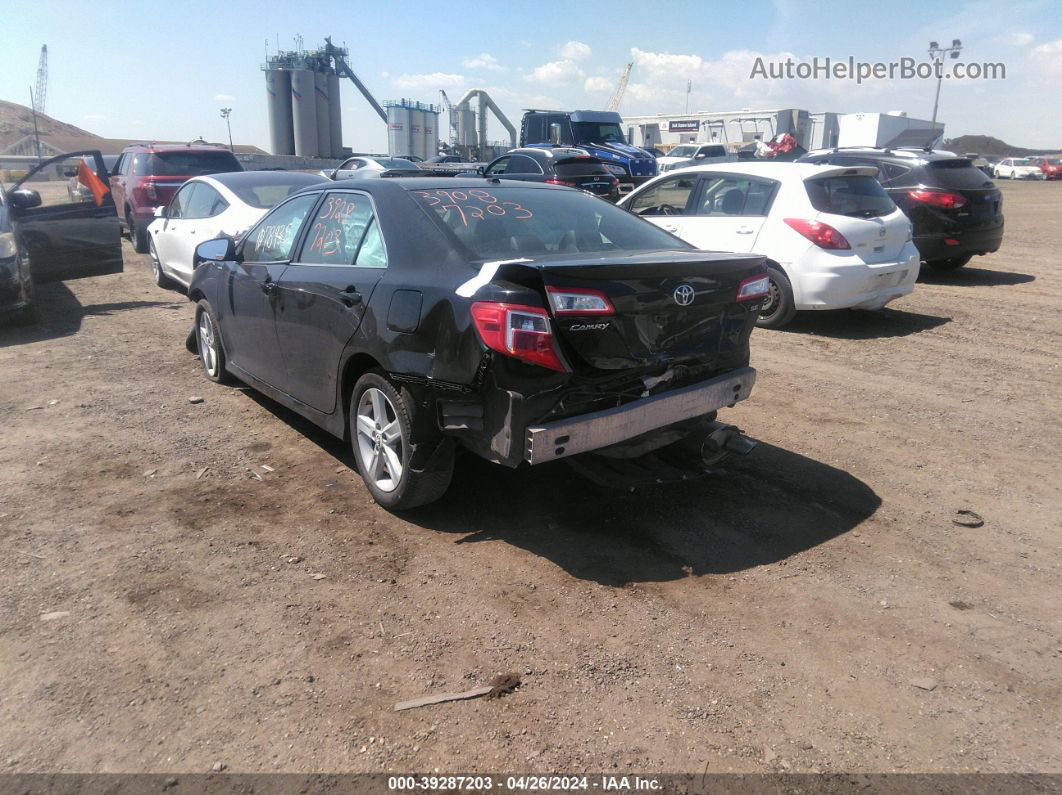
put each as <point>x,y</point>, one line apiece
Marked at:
<point>394,185</point>
<point>149,147</point>
<point>770,170</point>
<point>244,179</point>
<point>901,155</point>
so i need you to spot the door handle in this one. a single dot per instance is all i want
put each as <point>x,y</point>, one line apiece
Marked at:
<point>671,228</point>
<point>350,296</point>
<point>744,231</point>
<point>268,286</point>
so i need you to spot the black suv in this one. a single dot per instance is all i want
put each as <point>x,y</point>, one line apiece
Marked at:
<point>955,210</point>
<point>557,165</point>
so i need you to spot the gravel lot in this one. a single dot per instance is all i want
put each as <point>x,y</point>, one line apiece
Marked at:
<point>169,603</point>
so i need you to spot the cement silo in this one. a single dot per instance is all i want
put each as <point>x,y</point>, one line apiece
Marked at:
<point>278,102</point>
<point>324,126</point>
<point>398,129</point>
<point>335,119</point>
<point>430,143</point>
<point>416,133</point>
<point>304,112</point>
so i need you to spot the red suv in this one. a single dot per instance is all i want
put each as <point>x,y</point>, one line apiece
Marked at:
<point>147,175</point>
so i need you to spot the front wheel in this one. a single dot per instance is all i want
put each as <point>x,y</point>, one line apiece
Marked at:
<point>778,307</point>
<point>381,429</point>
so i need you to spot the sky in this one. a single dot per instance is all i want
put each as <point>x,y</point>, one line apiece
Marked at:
<point>162,70</point>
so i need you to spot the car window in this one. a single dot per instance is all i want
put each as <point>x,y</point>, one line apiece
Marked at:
<point>205,202</point>
<point>890,172</point>
<point>498,166</point>
<point>724,196</point>
<point>512,222</point>
<point>337,230</point>
<point>180,163</point>
<point>667,197</point>
<point>371,252</point>
<point>274,237</point>
<point>681,151</point>
<point>522,164</point>
<point>957,173</point>
<point>579,166</point>
<point>858,196</point>
<point>712,151</point>
<point>181,200</point>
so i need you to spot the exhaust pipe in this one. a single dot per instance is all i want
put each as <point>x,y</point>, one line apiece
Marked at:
<point>722,440</point>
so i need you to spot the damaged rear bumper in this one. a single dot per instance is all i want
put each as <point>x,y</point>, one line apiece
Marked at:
<point>574,435</point>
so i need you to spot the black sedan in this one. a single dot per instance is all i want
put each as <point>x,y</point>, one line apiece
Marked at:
<point>47,235</point>
<point>556,165</point>
<point>523,322</point>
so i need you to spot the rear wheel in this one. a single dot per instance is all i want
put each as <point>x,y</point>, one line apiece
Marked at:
<point>211,352</point>
<point>950,264</point>
<point>137,234</point>
<point>381,429</point>
<point>161,279</point>
<point>778,307</point>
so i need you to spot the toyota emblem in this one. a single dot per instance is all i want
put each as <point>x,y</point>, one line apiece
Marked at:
<point>684,295</point>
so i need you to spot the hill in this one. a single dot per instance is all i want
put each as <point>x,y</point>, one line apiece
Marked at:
<point>16,121</point>
<point>987,145</point>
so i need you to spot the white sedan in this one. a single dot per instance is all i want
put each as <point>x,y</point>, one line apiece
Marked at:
<point>832,237</point>
<point>370,166</point>
<point>213,206</point>
<point>1018,168</point>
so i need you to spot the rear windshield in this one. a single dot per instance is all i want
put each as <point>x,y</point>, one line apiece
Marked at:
<point>577,166</point>
<point>958,173</point>
<point>395,162</point>
<point>185,164</point>
<point>858,196</point>
<point>268,192</point>
<point>507,222</point>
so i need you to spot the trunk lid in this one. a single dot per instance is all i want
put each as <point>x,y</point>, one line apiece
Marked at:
<point>671,307</point>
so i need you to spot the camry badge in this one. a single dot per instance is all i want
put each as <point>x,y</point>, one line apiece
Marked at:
<point>684,295</point>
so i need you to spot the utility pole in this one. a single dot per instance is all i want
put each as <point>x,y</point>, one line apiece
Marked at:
<point>937,53</point>
<point>225,113</point>
<point>689,87</point>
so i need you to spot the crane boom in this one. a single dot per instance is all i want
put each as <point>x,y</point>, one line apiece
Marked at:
<point>621,87</point>
<point>40,96</point>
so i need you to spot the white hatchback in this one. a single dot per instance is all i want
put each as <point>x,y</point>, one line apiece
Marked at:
<point>832,237</point>
<point>213,206</point>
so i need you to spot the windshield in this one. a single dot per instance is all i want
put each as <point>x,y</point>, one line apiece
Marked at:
<point>593,132</point>
<point>681,151</point>
<point>958,173</point>
<point>861,197</point>
<point>524,222</point>
<point>189,163</point>
<point>395,162</point>
<point>1021,161</point>
<point>269,191</point>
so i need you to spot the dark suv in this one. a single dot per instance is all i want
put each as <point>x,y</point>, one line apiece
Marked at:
<point>147,175</point>
<point>557,165</point>
<point>955,209</point>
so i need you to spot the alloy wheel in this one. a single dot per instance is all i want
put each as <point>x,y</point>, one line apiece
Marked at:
<point>156,266</point>
<point>380,442</point>
<point>208,341</point>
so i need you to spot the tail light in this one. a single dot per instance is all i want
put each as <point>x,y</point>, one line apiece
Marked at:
<point>572,301</point>
<point>563,182</point>
<point>937,198</point>
<point>754,287</point>
<point>822,235</point>
<point>614,182</point>
<point>522,332</point>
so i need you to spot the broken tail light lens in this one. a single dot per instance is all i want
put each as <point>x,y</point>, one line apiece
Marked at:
<point>754,287</point>
<point>572,301</point>
<point>822,235</point>
<point>522,332</point>
<point>937,198</point>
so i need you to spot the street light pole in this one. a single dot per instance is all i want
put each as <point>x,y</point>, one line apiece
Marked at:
<point>225,113</point>
<point>937,53</point>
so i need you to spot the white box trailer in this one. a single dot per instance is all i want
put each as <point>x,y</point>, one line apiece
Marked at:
<point>886,130</point>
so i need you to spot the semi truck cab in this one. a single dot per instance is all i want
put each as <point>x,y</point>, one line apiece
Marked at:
<point>599,132</point>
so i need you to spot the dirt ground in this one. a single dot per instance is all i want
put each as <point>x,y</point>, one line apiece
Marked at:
<point>168,603</point>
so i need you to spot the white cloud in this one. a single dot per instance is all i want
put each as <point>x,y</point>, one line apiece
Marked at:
<point>1017,39</point>
<point>575,51</point>
<point>223,98</point>
<point>483,61</point>
<point>431,80</point>
<point>1048,58</point>
<point>598,85</point>
<point>555,73</point>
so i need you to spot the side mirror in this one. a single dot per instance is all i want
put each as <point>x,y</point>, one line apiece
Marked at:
<point>555,134</point>
<point>480,170</point>
<point>24,198</point>
<point>160,211</point>
<point>700,156</point>
<point>219,250</point>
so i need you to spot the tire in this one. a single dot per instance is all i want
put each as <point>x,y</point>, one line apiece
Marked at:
<point>137,235</point>
<point>381,430</point>
<point>211,351</point>
<point>161,279</point>
<point>950,264</point>
<point>778,308</point>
